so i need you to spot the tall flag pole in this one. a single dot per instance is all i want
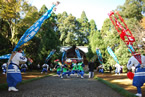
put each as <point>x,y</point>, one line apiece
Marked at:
<point>125,33</point>
<point>99,55</point>
<point>30,33</point>
<point>112,54</point>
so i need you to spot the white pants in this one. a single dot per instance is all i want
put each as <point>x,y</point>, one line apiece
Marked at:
<point>91,74</point>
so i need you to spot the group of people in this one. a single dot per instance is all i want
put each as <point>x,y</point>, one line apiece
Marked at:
<point>70,67</point>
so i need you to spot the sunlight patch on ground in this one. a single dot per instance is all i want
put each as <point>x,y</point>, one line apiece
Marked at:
<point>122,81</point>
<point>122,74</point>
<point>53,74</point>
<point>32,76</point>
<point>130,88</point>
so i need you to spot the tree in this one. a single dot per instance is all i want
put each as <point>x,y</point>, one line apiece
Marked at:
<point>67,28</point>
<point>83,28</point>
<point>131,9</point>
<point>10,12</point>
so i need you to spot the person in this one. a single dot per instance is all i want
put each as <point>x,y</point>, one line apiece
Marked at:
<point>91,67</point>
<point>4,66</point>
<point>110,68</point>
<point>80,68</point>
<point>139,76</point>
<point>117,70</point>
<point>45,68</point>
<point>23,68</point>
<point>101,68</point>
<point>74,68</point>
<point>121,69</point>
<point>13,73</point>
<point>58,66</point>
<point>38,66</point>
<point>66,69</point>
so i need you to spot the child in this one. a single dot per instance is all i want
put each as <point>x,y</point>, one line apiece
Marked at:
<point>80,68</point>
<point>100,67</point>
<point>4,66</point>
<point>23,68</point>
<point>59,67</point>
<point>74,67</point>
<point>45,68</point>
<point>66,69</point>
<point>117,71</point>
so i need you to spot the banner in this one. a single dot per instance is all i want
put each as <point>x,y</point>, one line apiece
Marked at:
<point>7,56</point>
<point>30,33</point>
<point>112,54</point>
<point>49,56</point>
<point>99,55</point>
<point>78,53</point>
<point>63,56</point>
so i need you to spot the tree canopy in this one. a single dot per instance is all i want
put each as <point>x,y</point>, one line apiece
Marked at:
<point>64,29</point>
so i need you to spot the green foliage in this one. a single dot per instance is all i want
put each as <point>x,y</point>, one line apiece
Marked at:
<point>72,31</point>
<point>83,28</point>
<point>65,30</point>
<point>131,9</point>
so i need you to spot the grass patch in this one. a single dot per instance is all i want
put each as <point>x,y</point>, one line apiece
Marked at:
<point>117,88</point>
<point>4,86</point>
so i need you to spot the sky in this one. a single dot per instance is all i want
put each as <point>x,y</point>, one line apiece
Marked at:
<point>95,9</point>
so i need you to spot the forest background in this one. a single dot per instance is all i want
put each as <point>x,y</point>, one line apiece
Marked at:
<point>64,29</point>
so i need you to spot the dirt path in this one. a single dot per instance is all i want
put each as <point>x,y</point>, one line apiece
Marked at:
<point>67,87</point>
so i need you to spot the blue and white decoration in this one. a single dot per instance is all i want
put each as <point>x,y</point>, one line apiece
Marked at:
<point>99,55</point>
<point>131,49</point>
<point>78,53</point>
<point>30,33</point>
<point>49,56</point>
<point>63,56</point>
<point>112,54</point>
<point>7,56</point>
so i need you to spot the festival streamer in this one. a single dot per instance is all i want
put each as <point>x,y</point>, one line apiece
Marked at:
<point>99,55</point>
<point>131,49</point>
<point>30,33</point>
<point>112,54</point>
<point>63,56</point>
<point>125,33</point>
<point>78,53</point>
<point>49,56</point>
<point>7,56</point>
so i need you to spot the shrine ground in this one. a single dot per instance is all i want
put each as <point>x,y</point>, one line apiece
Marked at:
<point>53,86</point>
